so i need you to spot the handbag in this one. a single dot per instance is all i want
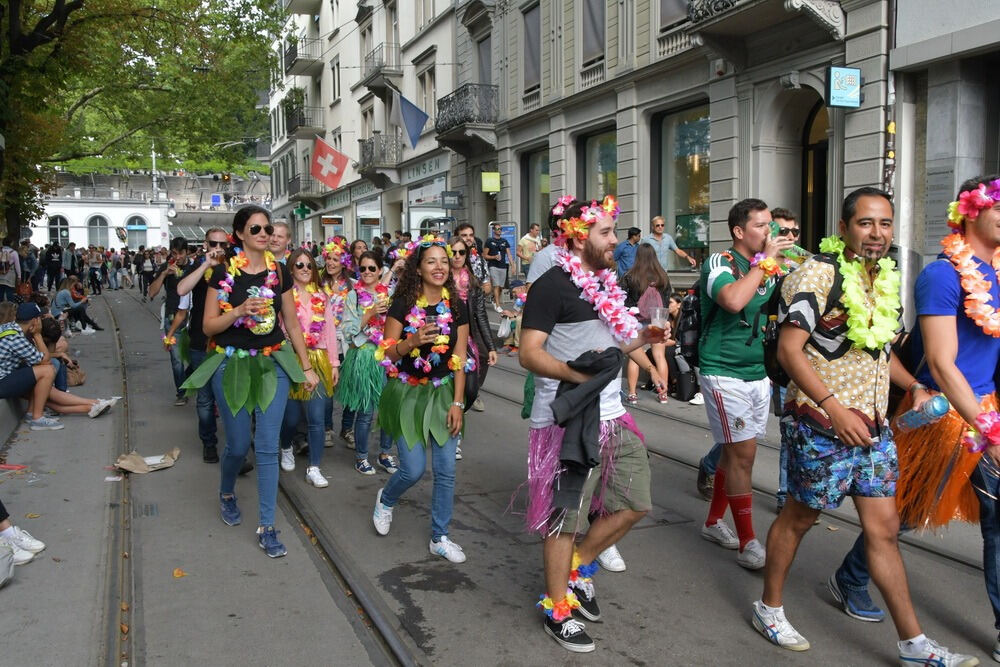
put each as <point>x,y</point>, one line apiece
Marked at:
<point>24,289</point>
<point>75,376</point>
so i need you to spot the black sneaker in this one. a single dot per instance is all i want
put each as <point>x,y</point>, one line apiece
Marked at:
<point>588,608</point>
<point>210,454</point>
<point>570,634</point>
<point>246,467</point>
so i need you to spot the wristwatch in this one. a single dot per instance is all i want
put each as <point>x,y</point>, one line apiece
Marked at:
<point>458,404</point>
<point>915,386</point>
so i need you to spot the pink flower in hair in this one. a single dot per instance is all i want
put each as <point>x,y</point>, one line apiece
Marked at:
<point>971,202</point>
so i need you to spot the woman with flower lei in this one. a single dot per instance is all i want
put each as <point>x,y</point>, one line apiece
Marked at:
<point>253,368</point>
<point>482,346</point>
<point>364,377</point>
<point>337,284</point>
<point>315,318</point>
<point>424,352</point>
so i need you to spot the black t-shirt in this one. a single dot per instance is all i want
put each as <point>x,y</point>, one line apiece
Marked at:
<point>497,246</point>
<point>266,333</point>
<point>53,258</point>
<point>459,313</point>
<point>199,341</point>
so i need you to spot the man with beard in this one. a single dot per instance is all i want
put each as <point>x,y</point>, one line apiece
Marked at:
<point>734,286</point>
<point>838,356</point>
<point>579,427</point>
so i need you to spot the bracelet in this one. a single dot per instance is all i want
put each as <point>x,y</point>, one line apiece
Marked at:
<point>306,370</point>
<point>916,386</point>
<point>820,402</point>
<point>396,348</point>
<point>458,404</point>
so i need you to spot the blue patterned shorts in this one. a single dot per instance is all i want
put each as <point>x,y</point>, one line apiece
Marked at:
<point>822,470</point>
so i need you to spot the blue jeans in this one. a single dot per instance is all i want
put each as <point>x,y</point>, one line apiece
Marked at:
<point>265,442</point>
<point>710,461</point>
<point>348,420</point>
<point>362,428</point>
<point>987,484</point>
<point>61,382</point>
<point>412,463</point>
<point>206,404</point>
<point>6,293</point>
<point>113,279</point>
<point>176,365</point>
<point>313,410</point>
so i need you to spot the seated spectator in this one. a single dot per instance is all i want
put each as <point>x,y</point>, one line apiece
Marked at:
<point>17,546</point>
<point>7,311</point>
<point>71,300</point>
<point>26,371</point>
<point>58,348</point>
<point>647,286</point>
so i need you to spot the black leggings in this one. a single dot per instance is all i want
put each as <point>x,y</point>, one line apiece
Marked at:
<point>146,280</point>
<point>3,513</point>
<point>80,315</point>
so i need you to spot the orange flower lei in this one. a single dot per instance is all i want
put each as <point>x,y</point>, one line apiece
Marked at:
<point>974,283</point>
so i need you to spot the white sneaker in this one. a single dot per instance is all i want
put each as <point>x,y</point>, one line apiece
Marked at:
<point>929,652</point>
<point>447,549</point>
<point>382,516</point>
<point>752,556</point>
<point>315,477</point>
<point>21,556</point>
<point>99,408</point>
<point>23,539</point>
<point>330,439</point>
<point>287,459</point>
<point>6,564</point>
<point>611,560</point>
<point>697,399</point>
<point>458,453</point>
<point>776,628</point>
<point>721,534</point>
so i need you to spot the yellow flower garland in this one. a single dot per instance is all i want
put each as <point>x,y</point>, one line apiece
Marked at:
<point>867,328</point>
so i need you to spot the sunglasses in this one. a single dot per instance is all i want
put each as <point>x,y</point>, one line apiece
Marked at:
<point>657,225</point>
<point>256,229</point>
<point>218,244</point>
<point>370,269</point>
<point>459,253</point>
<point>303,265</point>
<point>788,231</point>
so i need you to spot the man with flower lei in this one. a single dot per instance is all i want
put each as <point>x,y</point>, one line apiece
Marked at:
<point>835,426</point>
<point>958,339</point>
<point>174,312</point>
<point>574,308</point>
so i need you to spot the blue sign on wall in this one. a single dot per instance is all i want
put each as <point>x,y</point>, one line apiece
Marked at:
<point>216,200</point>
<point>843,87</point>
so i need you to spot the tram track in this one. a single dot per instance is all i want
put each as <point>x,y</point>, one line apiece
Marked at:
<point>340,572</point>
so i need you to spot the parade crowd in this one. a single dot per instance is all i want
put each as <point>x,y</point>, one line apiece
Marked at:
<point>396,340</point>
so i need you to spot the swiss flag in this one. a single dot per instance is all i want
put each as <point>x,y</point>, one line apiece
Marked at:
<point>328,165</point>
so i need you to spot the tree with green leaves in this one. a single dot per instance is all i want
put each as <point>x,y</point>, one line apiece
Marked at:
<point>105,79</point>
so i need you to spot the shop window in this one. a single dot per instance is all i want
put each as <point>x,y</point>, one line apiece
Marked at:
<point>682,172</point>
<point>59,230</point>
<point>97,231</point>
<point>599,168</point>
<point>536,196</point>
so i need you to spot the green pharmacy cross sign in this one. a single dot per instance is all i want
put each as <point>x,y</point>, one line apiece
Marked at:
<point>302,211</point>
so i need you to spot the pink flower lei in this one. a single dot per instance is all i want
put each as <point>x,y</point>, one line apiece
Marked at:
<point>376,325</point>
<point>601,290</point>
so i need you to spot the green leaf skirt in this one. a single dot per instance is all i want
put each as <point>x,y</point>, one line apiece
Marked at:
<point>418,414</point>
<point>250,380</point>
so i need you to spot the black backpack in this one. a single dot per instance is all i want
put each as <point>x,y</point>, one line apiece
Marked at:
<point>769,314</point>
<point>689,325</point>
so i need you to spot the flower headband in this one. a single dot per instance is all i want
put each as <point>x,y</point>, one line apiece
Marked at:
<point>429,240</point>
<point>335,246</point>
<point>579,228</point>
<point>971,202</point>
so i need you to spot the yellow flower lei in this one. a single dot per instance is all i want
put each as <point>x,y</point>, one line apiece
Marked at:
<point>867,327</point>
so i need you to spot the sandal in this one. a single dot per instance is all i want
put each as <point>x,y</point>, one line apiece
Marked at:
<point>632,399</point>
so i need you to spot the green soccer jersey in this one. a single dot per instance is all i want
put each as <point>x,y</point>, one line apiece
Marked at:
<point>723,348</point>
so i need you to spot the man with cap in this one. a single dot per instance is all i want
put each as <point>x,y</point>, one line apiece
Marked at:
<point>26,370</point>
<point>625,252</point>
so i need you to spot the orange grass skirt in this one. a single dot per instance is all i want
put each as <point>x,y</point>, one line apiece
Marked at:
<point>934,469</point>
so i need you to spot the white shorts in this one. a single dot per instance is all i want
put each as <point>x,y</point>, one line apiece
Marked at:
<point>737,409</point>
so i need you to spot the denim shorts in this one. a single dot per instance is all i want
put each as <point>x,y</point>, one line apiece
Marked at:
<point>822,470</point>
<point>18,382</point>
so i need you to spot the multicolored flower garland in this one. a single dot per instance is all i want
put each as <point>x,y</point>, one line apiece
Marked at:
<point>978,302</point>
<point>417,318</point>
<point>601,290</point>
<point>169,341</point>
<point>240,261</point>
<point>971,202</point>
<point>558,611</point>
<point>869,326</point>
<point>768,265</point>
<point>985,434</point>
<point>317,313</point>
<point>376,325</point>
<point>579,228</point>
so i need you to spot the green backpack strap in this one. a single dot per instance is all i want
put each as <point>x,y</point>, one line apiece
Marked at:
<point>9,332</point>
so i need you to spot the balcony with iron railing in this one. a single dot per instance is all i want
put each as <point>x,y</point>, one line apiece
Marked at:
<point>310,7</point>
<point>382,68</point>
<point>303,121</point>
<point>263,149</point>
<point>304,187</point>
<point>732,19</point>
<point>466,119</point>
<point>379,158</point>
<point>304,57</point>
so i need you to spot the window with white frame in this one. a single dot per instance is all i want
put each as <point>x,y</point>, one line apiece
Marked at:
<point>425,12</point>
<point>367,39</point>
<point>335,78</point>
<point>335,13</point>
<point>367,121</point>
<point>337,140</point>
<point>391,23</point>
<point>97,231</point>
<point>484,57</point>
<point>532,49</point>
<point>672,12</point>
<point>593,31</point>
<point>427,89</point>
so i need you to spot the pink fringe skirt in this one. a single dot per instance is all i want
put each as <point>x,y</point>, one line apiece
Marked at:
<point>545,471</point>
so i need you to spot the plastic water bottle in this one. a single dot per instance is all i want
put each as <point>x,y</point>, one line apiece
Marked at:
<point>928,413</point>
